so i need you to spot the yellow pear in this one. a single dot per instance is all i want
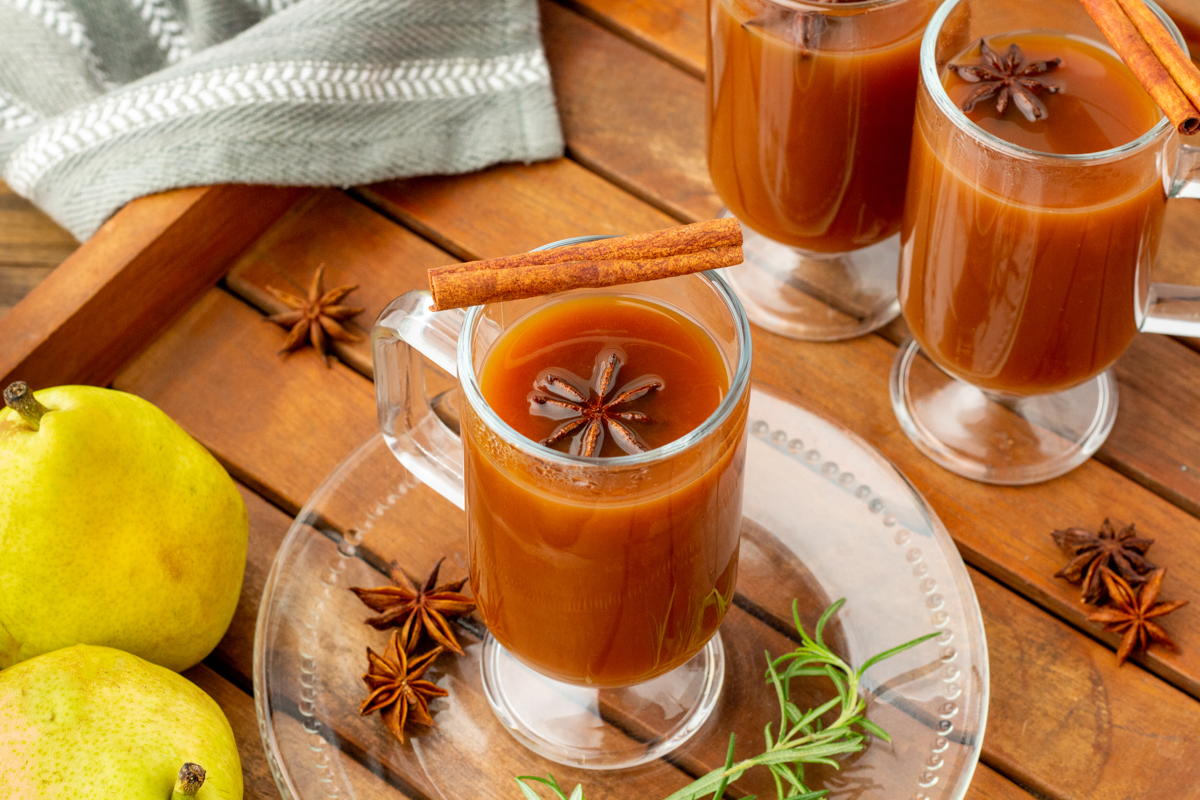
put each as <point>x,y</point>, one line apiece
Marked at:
<point>116,529</point>
<point>95,722</point>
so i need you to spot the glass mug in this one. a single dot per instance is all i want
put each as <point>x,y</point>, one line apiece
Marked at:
<point>809,109</point>
<point>1024,275</point>
<point>602,580</point>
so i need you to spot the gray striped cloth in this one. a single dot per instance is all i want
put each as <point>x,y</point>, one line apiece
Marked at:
<point>102,101</point>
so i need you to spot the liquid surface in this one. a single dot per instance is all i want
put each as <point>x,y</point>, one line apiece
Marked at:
<point>1100,104</point>
<point>570,340</point>
<point>808,145</point>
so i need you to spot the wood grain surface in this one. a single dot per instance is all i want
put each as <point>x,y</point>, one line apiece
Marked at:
<point>137,305</point>
<point>31,246</point>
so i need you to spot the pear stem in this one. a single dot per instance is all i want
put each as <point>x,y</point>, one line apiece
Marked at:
<point>18,397</point>
<point>191,778</point>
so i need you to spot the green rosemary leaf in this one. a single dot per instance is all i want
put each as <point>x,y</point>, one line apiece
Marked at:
<point>829,612</point>
<point>818,711</point>
<point>838,683</point>
<point>817,795</point>
<point>874,729</point>
<point>720,790</point>
<point>530,794</point>
<point>873,660</point>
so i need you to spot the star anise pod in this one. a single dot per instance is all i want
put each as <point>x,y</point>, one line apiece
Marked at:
<point>1132,613</point>
<point>1122,552</point>
<point>587,414</point>
<point>397,691</point>
<point>1005,76</point>
<point>315,317</point>
<point>802,28</point>
<point>414,610</point>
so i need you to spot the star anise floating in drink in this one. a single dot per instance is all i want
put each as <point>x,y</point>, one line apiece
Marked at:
<point>316,318</point>
<point>1120,551</point>
<point>1132,613</point>
<point>1008,76</point>
<point>415,610</point>
<point>587,415</point>
<point>397,689</point>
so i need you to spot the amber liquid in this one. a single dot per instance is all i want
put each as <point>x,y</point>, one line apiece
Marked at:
<point>606,578</point>
<point>809,146</point>
<point>1025,279</point>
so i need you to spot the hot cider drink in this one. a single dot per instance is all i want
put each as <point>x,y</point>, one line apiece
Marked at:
<point>1028,281</point>
<point>1039,178</point>
<point>605,576</point>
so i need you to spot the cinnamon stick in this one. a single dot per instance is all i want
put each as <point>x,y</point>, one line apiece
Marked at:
<point>725,232</point>
<point>1137,55</point>
<point>598,264</point>
<point>1177,62</point>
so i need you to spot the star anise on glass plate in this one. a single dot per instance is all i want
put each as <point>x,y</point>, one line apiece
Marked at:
<point>1120,551</point>
<point>586,412</point>
<point>315,317</point>
<point>1008,76</point>
<point>1132,613</point>
<point>415,610</point>
<point>397,691</point>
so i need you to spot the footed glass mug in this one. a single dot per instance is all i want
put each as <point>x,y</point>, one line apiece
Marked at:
<point>1025,275</point>
<point>809,108</point>
<point>602,580</point>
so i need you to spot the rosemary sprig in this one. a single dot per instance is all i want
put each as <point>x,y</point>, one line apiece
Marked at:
<point>803,738</point>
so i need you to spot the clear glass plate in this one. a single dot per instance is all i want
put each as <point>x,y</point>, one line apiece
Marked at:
<point>826,516</point>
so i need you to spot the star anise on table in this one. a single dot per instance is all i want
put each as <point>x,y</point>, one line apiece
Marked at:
<point>316,317</point>
<point>415,610</point>
<point>397,691</point>
<point>1008,76</point>
<point>1132,613</point>
<point>586,412</point>
<point>1120,551</point>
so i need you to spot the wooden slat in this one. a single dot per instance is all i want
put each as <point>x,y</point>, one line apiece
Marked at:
<point>319,232</point>
<point>193,370</point>
<point>137,274</point>
<point>672,29</point>
<point>1096,729</point>
<point>544,202</point>
<point>600,80</point>
<point>28,238</point>
<point>16,282</point>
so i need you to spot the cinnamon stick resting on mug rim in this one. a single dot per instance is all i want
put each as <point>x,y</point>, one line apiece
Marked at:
<point>1151,53</point>
<point>604,262</point>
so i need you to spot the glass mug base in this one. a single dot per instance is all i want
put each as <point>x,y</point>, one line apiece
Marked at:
<point>594,728</point>
<point>999,439</point>
<point>818,297</point>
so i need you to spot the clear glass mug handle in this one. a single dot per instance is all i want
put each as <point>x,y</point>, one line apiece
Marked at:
<point>405,332</point>
<point>1173,309</point>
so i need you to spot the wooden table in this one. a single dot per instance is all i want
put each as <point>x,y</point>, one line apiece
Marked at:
<point>167,301</point>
